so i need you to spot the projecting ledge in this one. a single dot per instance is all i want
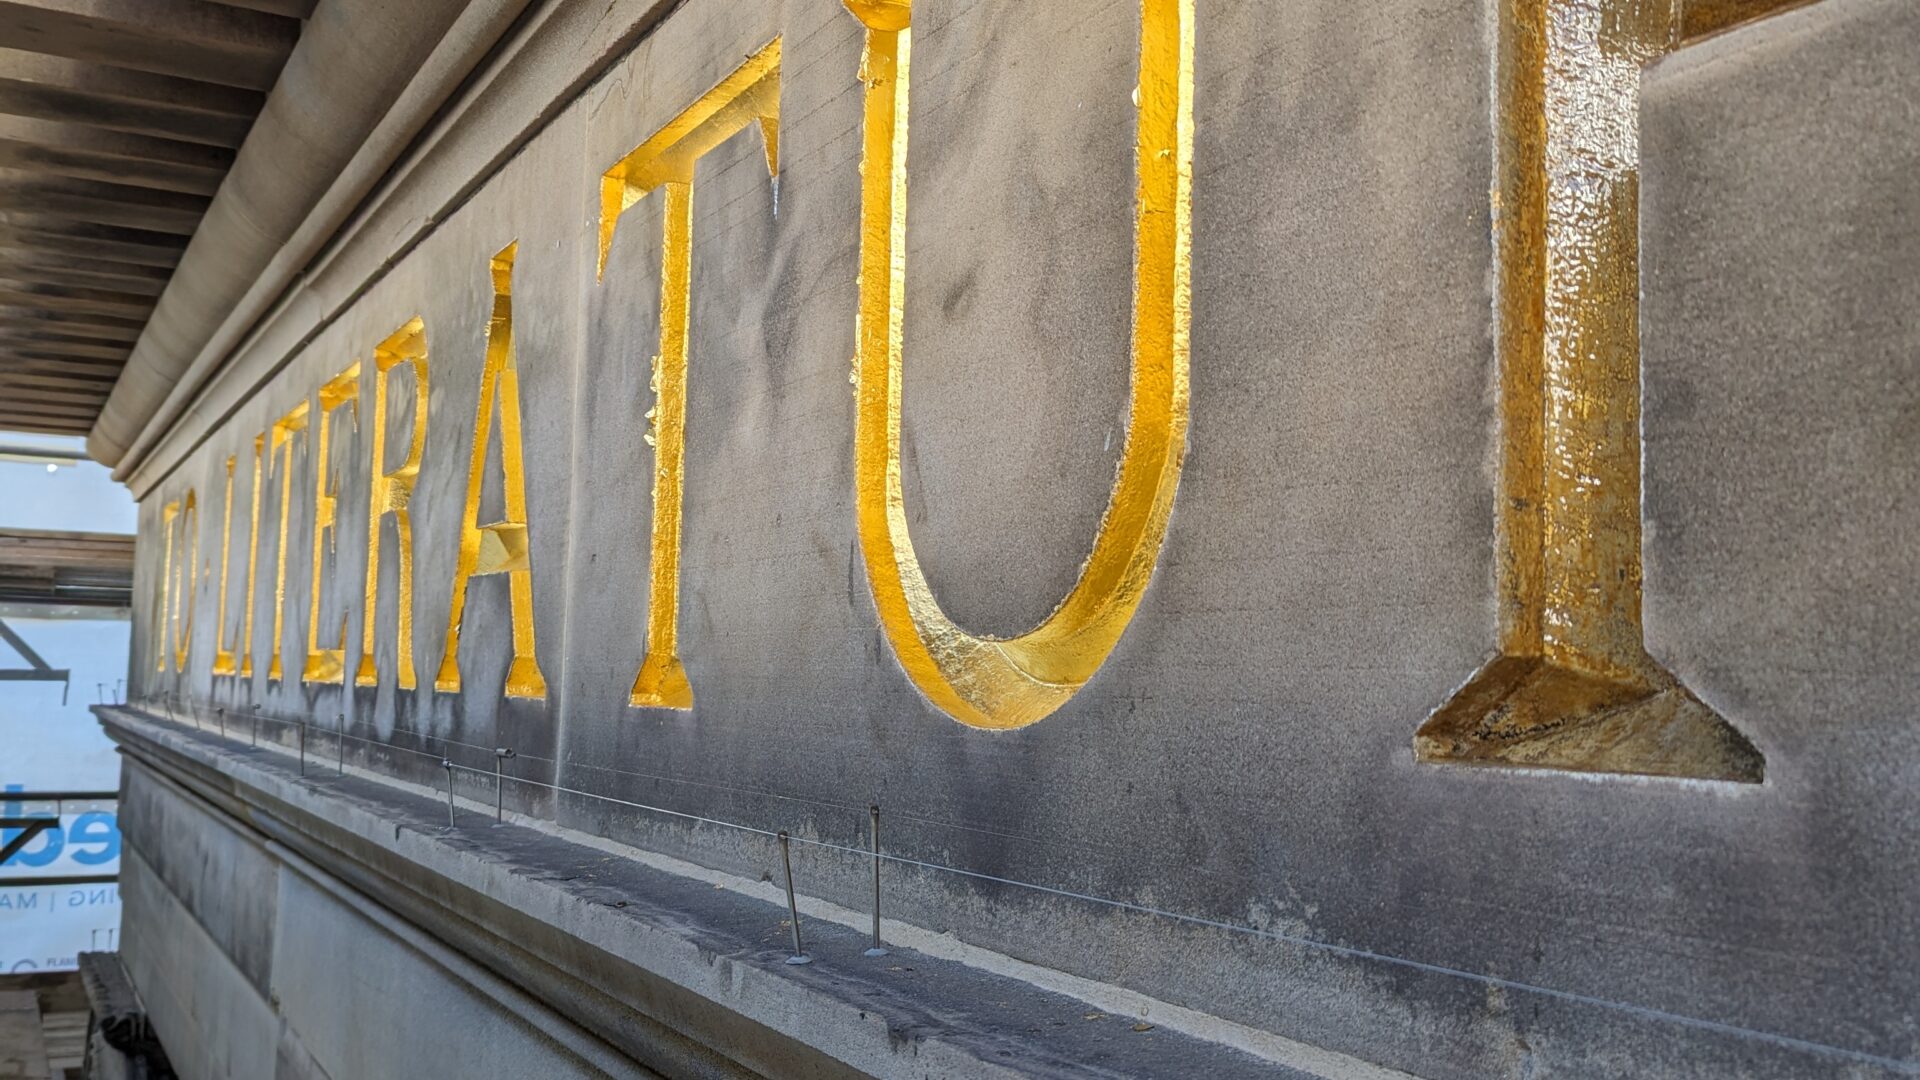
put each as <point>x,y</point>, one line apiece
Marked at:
<point>1525,712</point>
<point>629,957</point>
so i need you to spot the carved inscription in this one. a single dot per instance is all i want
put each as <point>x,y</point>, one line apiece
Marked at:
<point>253,560</point>
<point>223,661</point>
<point>392,493</point>
<point>177,581</point>
<point>499,548</point>
<point>327,664</point>
<point>1011,682</point>
<point>183,584</point>
<point>280,448</point>
<point>1572,685</point>
<point>665,162</point>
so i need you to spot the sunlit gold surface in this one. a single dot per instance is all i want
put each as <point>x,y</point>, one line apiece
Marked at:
<point>1574,686</point>
<point>662,679</point>
<point>392,493</point>
<point>167,513</point>
<point>1010,682</point>
<point>223,660</point>
<point>327,665</point>
<point>280,450</point>
<point>253,557</point>
<point>1702,17</point>
<point>499,379</point>
<point>751,93</point>
<point>1589,479</point>
<point>887,15</point>
<point>183,582</point>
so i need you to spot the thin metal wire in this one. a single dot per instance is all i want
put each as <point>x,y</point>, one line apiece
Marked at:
<point>1905,1067</point>
<point>850,808</point>
<point>422,737</point>
<point>441,760</point>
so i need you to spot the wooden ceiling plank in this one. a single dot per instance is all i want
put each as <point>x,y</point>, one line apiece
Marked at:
<point>79,164</point>
<point>82,536</point>
<point>43,408</point>
<point>86,209</point>
<point>47,410</point>
<point>34,283</point>
<point>73,392</point>
<point>64,358</point>
<point>115,277</point>
<point>100,329</point>
<point>52,394</point>
<point>57,103</point>
<point>22,373</point>
<point>292,9</point>
<point>96,325</point>
<point>20,353</point>
<point>185,38</point>
<point>85,301</point>
<point>32,371</point>
<point>51,382</point>
<point>84,382</point>
<point>57,364</point>
<point>74,341</point>
<point>21,181</point>
<point>115,144</point>
<point>43,242</point>
<point>44,427</point>
<point>124,84</point>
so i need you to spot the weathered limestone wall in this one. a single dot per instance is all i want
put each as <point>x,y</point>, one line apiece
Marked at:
<point>253,963</point>
<point>1339,560</point>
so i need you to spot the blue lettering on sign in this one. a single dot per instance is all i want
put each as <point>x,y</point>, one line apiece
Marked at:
<point>96,829</point>
<point>94,837</point>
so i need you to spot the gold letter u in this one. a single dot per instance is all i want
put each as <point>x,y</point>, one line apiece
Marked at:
<point>1011,682</point>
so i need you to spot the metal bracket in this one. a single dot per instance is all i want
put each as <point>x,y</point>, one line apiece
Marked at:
<point>36,669</point>
<point>29,827</point>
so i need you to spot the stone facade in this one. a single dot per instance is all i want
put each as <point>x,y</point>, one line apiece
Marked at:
<point>639,253</point>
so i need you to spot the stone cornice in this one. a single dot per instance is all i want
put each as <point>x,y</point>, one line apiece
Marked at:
<point>658,965</point>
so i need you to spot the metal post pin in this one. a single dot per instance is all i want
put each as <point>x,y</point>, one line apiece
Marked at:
<point>447,764</point>
<point>100,693</point>
<point>500,754</point>
<point>221,711</point>
<point>876,949</point>
<point>303,746</point>
<point>256,728</point>
<point>340,741</point>
<point>793,909</point>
